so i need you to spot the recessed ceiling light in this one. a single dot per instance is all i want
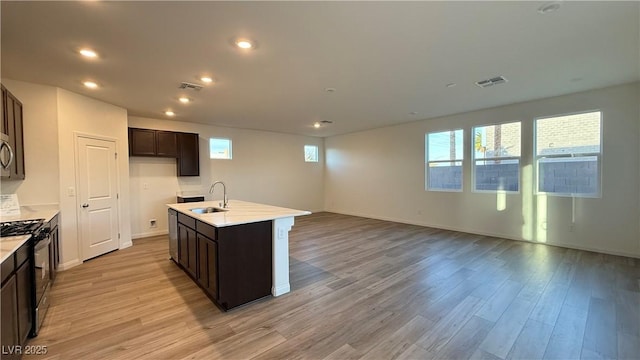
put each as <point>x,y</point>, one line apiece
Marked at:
<point>244,44</point>
<point>316,125</point>
<point>450,85</point>
<point>184,100</point>
<point>90,84</point>
<point>549,7</point>
<point>169,113</point>
<point>206,79</point>
<point>88,53</point>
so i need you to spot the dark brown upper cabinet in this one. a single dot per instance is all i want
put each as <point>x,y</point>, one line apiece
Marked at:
<point>12,125</point>
<point>167,143</point>
<point>184,147</point>
<point>147,142</point>
<point>189,155</point>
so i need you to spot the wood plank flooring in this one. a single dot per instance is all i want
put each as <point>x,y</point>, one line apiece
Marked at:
<point>361,289</point>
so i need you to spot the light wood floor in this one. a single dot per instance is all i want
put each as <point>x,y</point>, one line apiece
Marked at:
<point>361,288</point>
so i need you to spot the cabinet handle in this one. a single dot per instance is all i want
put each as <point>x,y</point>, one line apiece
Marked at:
<point>85,205</point>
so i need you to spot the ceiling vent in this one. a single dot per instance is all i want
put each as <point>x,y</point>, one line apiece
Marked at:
<point>493,81</point>
<point>326,122</point>
<point>190,86</point>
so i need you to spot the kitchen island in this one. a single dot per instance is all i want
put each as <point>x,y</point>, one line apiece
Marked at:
<point>237,254</point>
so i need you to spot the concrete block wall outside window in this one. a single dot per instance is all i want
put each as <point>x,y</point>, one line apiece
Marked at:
<point>444,155</point>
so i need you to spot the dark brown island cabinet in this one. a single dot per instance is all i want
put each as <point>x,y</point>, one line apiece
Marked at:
<point>232,264</point>
<point>16,299</point>
<point>184,147</point>
<point>12,126</point>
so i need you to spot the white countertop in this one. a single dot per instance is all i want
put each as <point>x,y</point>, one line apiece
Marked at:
<point>31,212</point>
<point>11,244</point>
<point>239,212</point>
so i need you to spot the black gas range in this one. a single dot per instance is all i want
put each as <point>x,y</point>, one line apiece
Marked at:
<point>21,227</point>
<point>42,271</point>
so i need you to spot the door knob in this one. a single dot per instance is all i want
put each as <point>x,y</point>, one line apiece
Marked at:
<point>85,205</point>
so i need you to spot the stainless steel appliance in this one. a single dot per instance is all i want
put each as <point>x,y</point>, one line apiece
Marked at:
<point>6,155</point>
<point>173,234</point>
<point>41,272</point>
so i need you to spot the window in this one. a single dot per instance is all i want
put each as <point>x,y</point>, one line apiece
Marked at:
<point>310,153</point>
<point>444,157</point>
<point>568,154</point>
<point>496,157</point>
<point>219,148</point>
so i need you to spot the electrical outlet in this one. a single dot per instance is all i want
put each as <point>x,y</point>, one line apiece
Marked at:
<point>152,223</point>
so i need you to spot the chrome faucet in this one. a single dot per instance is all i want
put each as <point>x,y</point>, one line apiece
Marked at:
<point>224,196</point>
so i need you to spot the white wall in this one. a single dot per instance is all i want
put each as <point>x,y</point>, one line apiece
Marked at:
<point>380,174</point>
<point>51,117</point>
<point>79,114</point>
<point>266,168</point>
<point>40,119</point>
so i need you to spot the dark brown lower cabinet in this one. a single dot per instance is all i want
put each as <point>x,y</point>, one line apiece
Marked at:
<point>187,253</point>
<point>16,301</point>
<point>10,337</point>
<point>208,266</point>
<point>24,290</point>
<point>234,263</point>
<point>244,263</point>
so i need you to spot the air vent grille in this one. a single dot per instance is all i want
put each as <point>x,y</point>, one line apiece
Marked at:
<point>190,86</point>
<point>490,82</point>
<point>326,122</point>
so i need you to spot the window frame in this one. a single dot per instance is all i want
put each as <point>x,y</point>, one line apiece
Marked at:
<point>473,160</point>
<point>536,157</point>
<point>454,161</point>
<point>230,148</point>
<point>317,153</point>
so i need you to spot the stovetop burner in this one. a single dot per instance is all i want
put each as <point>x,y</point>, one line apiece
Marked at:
<point>22,227</point>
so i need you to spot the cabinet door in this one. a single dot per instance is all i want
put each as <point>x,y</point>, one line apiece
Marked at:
<point>188,155</point>
<point>183,249</point>
<point>193,252</point>
<point>187,253</point>
<point>24,284</point>
<point>208,265</point>
<point>3,111</point>
<point>142,142</point>
<point>18,135</point>
<point>166,144</point>
<point>9,315</point>
<point>11,130</point>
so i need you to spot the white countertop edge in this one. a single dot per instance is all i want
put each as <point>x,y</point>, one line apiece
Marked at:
<point>11,244</point>
<point>32,212</point>
<point>240,212</point>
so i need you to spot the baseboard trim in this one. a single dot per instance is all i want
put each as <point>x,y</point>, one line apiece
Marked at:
<point>125,245</point>
<point>69,264</point>
<point>502,236</point>
<point>149,234</point>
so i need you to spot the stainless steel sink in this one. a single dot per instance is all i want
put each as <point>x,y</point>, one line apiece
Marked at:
<point>208,210</point>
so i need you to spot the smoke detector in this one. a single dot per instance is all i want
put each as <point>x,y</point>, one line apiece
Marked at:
<point>190,86</point>
<point>490,82</point>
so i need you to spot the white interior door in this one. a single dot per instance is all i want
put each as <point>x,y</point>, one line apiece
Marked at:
<point>98,196</point>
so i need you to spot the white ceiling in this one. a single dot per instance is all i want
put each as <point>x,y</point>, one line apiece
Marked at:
<point>385,59</point>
